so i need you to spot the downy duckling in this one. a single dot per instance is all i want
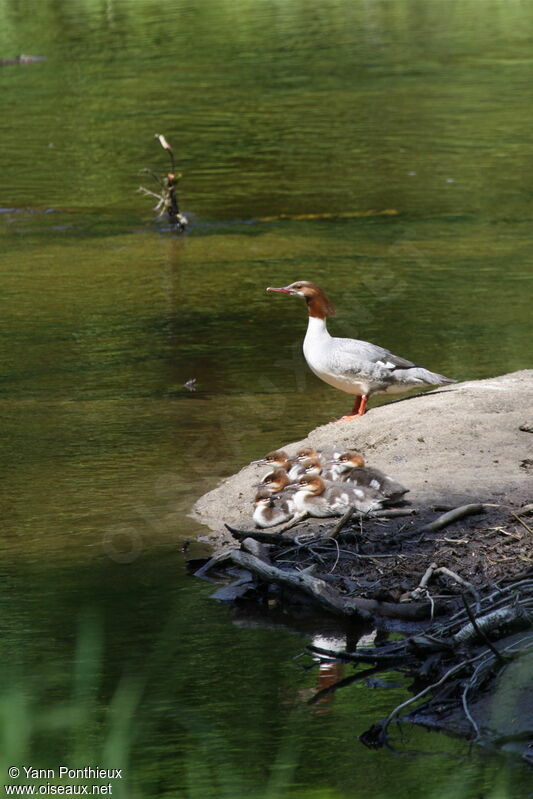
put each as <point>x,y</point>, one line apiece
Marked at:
<point>317,497</point>
<point>350,467</point>
<point>278,482</point>
<point>277,458</point>
<point>302,455</point>
<point>270,510</point>
<point>316,466</point>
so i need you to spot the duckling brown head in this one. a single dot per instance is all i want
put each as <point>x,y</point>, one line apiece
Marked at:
<point>264,497</point>
<point>312,466</point>
<point>311,484</point>
<point>306,452</point>
<point>353,459</point>
<point>276,480</point>
<point>278,457</point>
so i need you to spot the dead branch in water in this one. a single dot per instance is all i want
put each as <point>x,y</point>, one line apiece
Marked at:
<point>167,198</point>
<point>325,596</point>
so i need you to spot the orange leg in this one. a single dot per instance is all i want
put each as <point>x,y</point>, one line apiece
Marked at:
<point>359,407</point>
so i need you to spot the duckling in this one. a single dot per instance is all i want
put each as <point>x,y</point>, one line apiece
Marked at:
<point>270,510</point>
<point>316,466</point>
<point>302,455</point>
<point>350,467</point>
<point>275,480</point>
<point>278,458</point>
<point>317,497</point>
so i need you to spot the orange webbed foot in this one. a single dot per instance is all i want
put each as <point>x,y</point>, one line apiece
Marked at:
<point>359,407</point>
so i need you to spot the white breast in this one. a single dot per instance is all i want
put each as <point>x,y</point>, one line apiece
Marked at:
<point>326,363</point>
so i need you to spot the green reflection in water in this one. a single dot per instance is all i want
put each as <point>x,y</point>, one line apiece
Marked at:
<point>128,667</point>
<point>298,108</point>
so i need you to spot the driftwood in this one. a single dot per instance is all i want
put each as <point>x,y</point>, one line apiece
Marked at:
<point>256,548</point>
<point>218,559</point>
<point>327,597</point>
<point>508,616</point>
<point>460,658</point>
<point>450,517</point>
<point>260,535</point>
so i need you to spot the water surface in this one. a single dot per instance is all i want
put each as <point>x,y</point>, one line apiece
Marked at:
<point>380,149</point>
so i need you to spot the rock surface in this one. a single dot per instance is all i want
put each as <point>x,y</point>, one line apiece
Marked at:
<point>468,442</point>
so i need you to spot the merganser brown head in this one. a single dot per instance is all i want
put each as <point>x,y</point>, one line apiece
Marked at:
<point>317,303</point>
<point>277,458</point>
<point>352,459</point>
<point>311,484</point>
<point>306,452</point>
<point>264,497</point>
<point>312,466</point>
<point>276,480</point>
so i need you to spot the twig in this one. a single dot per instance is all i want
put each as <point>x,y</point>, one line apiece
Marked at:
<point>482,634</point>
<point>421,587</point>
<point>451,516</point>
<point>260,535</point>
<point>338,556</point>
<point>522,522</point>
<point>361,675</point>
<point>166,146</point>
<point>460,580</point>
<point>365,656</point>
<point>454,670</point>
<point>340,524</point>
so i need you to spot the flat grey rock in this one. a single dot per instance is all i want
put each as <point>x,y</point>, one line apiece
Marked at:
<point>463,443</point>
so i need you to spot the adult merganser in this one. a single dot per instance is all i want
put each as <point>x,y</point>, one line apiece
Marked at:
<point>350,467</point>
<point>356,367</point>
<point>317,497</point>
<point>269,510</point>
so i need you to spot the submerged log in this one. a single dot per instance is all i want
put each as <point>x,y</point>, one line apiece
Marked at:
<point>327,597</point>
<point>322,593</point>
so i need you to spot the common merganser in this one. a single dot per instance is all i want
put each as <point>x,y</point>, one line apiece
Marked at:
<point>277,457</point>
<point>317,497</point>
<point>296,469</point>
<point>276,482</point>
<point>270,510</point>
<point>317,466</point>
<point>356,367</point>
<point>306,453</point>
<point>350,467</point>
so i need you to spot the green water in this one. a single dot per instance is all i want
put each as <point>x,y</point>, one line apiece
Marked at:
<point>110,653</point>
